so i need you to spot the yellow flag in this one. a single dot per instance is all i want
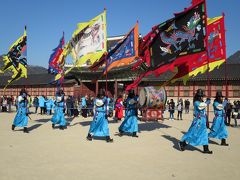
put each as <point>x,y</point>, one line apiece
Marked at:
<point>16,59</point>
<point>88,42</point>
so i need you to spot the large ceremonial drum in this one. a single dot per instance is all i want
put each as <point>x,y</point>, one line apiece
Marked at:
<point>152,97</point>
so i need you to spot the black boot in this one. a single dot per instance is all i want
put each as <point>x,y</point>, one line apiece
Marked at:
<point>108,139</point>
<point>206,150</point>
<point>61,127</point>
<point>120,133</point>
<point>89,137</point>
<point>53,126</point>
<point>182,145</point>
<point>134,134</point>
<point>25,130</point>
<point>13,127</point>
<point>223,143</point>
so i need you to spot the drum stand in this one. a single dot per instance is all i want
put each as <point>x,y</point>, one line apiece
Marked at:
<point>150,114</point>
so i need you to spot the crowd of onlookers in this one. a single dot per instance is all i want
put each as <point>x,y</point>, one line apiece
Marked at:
<point>45,105</point>
<point>179,107</point>
<point>232,110</point>
<point>71,108</point>
<point>6,103</point>
<point>84,106</point>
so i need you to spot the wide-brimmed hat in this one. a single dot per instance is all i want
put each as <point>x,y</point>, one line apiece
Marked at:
<point>200,93</point>
<point>99,103</point>
<point>219,94</point>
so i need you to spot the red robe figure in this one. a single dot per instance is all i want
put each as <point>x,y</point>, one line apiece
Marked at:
<point>119,109</point>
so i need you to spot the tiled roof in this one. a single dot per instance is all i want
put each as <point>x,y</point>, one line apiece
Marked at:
<point>124,74</point>
<point>33,79</point>
<point>233,73</point>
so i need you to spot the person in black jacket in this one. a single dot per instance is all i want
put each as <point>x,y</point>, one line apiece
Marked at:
<point>228,110</point>
<point>171,106</point>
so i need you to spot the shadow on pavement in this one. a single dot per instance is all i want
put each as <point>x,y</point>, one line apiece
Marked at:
<point>150,126</point>
<point>35,126</point>
<point>175,144</point>
<point>42,120</point>
<point>85,123</point>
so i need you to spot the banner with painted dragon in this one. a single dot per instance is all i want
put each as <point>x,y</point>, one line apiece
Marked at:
<point>180,36</point>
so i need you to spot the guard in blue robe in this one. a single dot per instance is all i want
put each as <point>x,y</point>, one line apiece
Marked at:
<point>130,123</point>
<point>42,104</point>
<point>58,116</point>
<point>21,118</point>
<point>99,125</point>
<point>197,133</point>
<point>84,107</point>
<point>49,105</point>
<point>218,129</point>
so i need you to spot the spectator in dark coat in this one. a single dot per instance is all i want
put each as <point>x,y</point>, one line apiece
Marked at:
<point>187,105</point>
<point>36,103</point>
<point>228,110</point>
<point>180,109</point>
<point>171,106</point>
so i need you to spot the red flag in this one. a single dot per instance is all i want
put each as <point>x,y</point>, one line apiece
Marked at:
<point>169,43</point>
<point>215,55</point>
<point>194,2</point>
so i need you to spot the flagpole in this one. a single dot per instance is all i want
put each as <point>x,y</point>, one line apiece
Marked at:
<point>106,88</point>
<point>225,65</point>
<point>208,75</point>
<point>106,60</point>
<point>25,29</point>
<point>63,65</point>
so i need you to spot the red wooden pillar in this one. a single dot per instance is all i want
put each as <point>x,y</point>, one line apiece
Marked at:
<point>210,89</point>
<point>178,90</point>
<point>227,94</point>
<point>38,91</point>
<point>81,88</point>
<point>115,88</point>
<point>17,91</point>
<point>63,87</point>
<point>96,91</point>
<point>209,95</point>
<point>193,88</point>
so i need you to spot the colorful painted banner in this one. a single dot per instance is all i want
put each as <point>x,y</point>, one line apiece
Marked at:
<point>16,59</point>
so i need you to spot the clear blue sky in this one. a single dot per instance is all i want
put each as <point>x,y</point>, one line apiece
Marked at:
<point>46,19</point>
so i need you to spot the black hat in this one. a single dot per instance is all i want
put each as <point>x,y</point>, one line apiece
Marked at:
<point>23,91</point>
<point>219,94</point>
<point>200,93</point>
<point>101,92</point>
<point>59,92</point>
<point>131,91</point>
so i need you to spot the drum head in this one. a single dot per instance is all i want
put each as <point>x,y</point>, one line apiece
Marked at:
<point>142,97</point>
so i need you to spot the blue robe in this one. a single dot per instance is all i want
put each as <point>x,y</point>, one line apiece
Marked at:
<point>21,119</point>
<point>84,102</point>
<point>197,133</point>
<point>218,129</point>
<point>58,116</point>
<point>130,123</point>
<point>41,101</point>
<point>49,104</point>
<point>99,125</point>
